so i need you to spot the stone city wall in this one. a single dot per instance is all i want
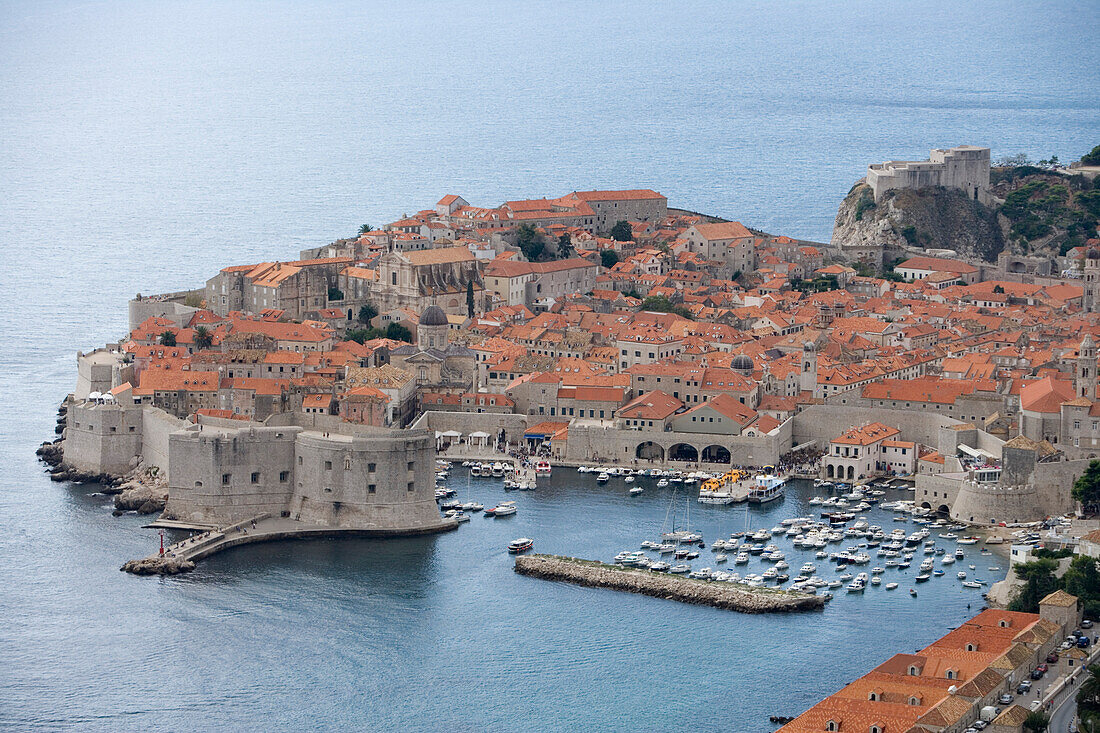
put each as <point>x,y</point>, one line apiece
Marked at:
<point>822,423</point>
<point>102,438</point>
<point>472,422</point>
<point>606,443</point>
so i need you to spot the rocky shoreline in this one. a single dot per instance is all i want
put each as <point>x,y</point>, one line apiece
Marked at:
<point>144,489</point>
<point>660,585</point>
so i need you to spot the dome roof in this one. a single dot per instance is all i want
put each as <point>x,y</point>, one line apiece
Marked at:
<point>433,315</point>
<point>1092,253</point>
<point>742,361</point>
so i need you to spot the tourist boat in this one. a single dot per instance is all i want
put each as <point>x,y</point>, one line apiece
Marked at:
<point>603,478</point>
<point>767,487</point>
<point>636,490</point>
<point>497,470</point>
<point>504,508</point>
<point>959,555</point>
<point>542,468</point>
<point>969,540</point>
<point>523,544</point>
<point>971,584</point>
<point>741,558</point>
<point>857,586</point>
<point>475,470</point>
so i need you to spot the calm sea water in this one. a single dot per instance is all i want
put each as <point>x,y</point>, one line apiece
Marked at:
<point>144,145</point>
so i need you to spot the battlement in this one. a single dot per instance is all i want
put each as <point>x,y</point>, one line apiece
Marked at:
<point>965,167</point>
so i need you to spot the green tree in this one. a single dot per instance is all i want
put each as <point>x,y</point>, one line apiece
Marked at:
<point>1086,489</point>
<point>998,289</point>
<point>366,229</point>
<point>367,312</point>
<point>565,247</point>
<point>167,338</point>
<point>1039,581</point>
<point>362,335</point>
<point>661,304</point>
<point>1088,697</point>
<point>397,332</point>
<point>203,338</point>
<point>529,242</point>
<point>1092,157</point>
<point>622,232</point>
<point>1037,721</point>
<point>1082,579</point>
<point>609,258</point>
<point>335,294</point>
<point>470,298</point>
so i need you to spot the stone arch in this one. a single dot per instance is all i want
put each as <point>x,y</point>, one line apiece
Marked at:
<point>830,471</point>
<point>649,451</point>
<point>716,454</point>
<point>944,509</point>
<point>683,452</point>
<point>851,473</point>
<point>926,505</point>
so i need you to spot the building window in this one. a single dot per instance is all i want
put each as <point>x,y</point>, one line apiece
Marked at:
<point>411,486</point>
<point>283,476</point>
<point>371,467</point>
<point>255,477</point>
<point>225,478</point>
<point>410,465</point>
<point>299,460</point>
<point>328,465</point>
<point>347,464</point>
<point>371,488</point>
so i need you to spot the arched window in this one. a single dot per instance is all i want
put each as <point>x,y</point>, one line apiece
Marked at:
<point>1004,623</point>
<point>971,648</point>
<point>914,701</point>
<point>913,671</point>
<point>832,726</point>
<point>873,697</point>
<point>875,729</point>
<point>950,674</point>
<point>347,464</point>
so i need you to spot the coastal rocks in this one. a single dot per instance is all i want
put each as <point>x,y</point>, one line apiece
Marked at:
<point>905,220</point>
<point>670,587</point>
<point>158,565</point>
<point>52,454</point>
<point>144,491</point>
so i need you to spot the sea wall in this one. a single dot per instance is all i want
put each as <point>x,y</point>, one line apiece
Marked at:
<point>103,438</point>
<point>608,443</point>
<point>157,425</point>
<point>728,596</point>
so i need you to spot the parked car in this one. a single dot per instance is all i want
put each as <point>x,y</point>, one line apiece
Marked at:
<point>1086,624</point>
<point>981,724</point>
<point>1023,687</point>
<point>1036,674</point>
<point>1083,642</point>
<point>1036,704</point>
<point>1052,657</point>
<point>1005,699</point>
<point>1042,668</point>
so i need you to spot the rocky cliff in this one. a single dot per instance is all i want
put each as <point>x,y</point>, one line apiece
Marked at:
<point>931,218</point>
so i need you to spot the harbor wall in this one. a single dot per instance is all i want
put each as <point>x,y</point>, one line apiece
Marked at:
<point>587,443</point>
<point>668,587</point>
<point>822,423</point>
<point>441,421</point>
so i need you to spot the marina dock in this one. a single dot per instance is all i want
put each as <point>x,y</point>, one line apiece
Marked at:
<point>670,587</point>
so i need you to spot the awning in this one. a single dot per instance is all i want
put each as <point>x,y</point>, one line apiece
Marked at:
<point>451,434</point>
<point>479,434</point>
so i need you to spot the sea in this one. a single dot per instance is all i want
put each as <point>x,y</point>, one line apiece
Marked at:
<point>146,144</point>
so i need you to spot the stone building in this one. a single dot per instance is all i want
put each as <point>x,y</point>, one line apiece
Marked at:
<point>965,167</point>
<point>730,243</point>
<point>293,287</point>
<point>418,279</point>
<point>437,364</point>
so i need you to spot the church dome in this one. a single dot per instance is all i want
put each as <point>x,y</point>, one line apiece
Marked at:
<point>433,315</point>
<point>1093,253</point>
<point>742,363</point>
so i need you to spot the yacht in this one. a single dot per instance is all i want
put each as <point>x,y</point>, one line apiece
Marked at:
<point>857,586</point>
<point>767,487</point>
<point>660,566</point>
<point>603,478</point>
<point>741,559</point>
<point>496,471</point>
<point>542,468</point>
<point>504,508</point>
<point>523,544</point>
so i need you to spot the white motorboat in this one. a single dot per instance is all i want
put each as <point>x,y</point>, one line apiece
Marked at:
<point>742,558</point>
<point>636,490</point>
<point>628,479</point>
<point>542,468</point>
<point>721,557</point>
<point>660,484</point>
<point>603,478</point>
<point>497,470</point>
<point>891,586</point>
<point>523,544</point>
<point>504,508</point>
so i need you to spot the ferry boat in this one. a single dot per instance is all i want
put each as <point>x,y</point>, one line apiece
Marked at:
<point>767,487</point>
<point>542,468</point>
<point>523,544</point>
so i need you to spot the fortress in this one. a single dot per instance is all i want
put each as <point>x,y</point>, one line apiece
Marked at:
<point>313,469</point>
<point>965,167</point>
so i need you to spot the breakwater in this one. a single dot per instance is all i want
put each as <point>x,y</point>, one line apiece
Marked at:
<point>729,596</point>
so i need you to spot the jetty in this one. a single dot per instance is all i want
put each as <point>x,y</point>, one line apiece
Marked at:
<point>729,596</point>
<point>180,557</point>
